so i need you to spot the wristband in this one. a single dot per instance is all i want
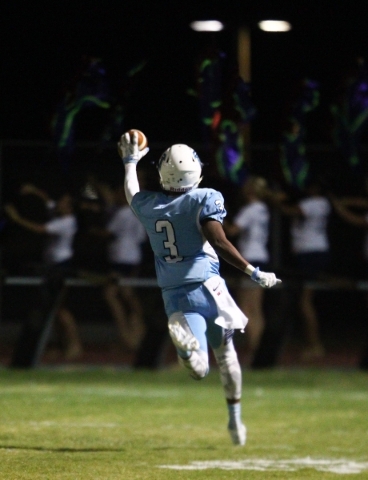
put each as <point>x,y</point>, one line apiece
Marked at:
<point>249,269</point>
<point>130,159</point>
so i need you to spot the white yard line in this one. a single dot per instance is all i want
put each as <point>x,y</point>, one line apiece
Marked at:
<point>339,466</point>
<point>100,391</point>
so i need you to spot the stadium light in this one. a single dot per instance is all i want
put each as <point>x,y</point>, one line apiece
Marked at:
<point>207,26</point>
<point>274,26</point>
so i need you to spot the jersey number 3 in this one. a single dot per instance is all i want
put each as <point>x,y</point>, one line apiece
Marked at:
<point>170,241</point>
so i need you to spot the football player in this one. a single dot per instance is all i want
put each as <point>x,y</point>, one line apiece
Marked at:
<point>184,226</point>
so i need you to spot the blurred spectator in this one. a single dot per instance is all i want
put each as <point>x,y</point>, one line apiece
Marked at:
<point>310,247</point>
<point>251,226</point>
<point>23,249</point>
<point>58,253</point>
<point>125,234</point>
<point>345,208</point>
<point>90,250</point>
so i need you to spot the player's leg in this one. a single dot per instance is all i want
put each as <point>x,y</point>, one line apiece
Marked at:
<point>188,333</point>
<point>221,342</point>
<point>184,307</point>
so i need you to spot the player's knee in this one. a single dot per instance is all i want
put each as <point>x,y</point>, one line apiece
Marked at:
<point>197,363</point>
<point>230,370</point>
<point>226,356</point>
<point>201,370</point>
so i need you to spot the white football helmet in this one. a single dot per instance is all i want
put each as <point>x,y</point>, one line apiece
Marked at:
<point>180,169</point>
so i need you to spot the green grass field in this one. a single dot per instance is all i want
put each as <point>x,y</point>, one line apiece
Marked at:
<point>107,424</point>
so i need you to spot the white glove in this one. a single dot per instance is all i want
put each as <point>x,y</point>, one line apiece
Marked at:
<point>128,149</point>
<point>266,280</point>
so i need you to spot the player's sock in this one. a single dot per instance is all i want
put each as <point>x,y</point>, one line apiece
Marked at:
<point>236,428</point>
<point>234,410</point>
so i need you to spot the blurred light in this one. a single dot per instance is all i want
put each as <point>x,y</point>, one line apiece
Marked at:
<point>274,26</point>
<point>207,26</point>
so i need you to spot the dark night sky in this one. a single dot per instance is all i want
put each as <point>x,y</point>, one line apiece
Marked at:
<point>44,41</point>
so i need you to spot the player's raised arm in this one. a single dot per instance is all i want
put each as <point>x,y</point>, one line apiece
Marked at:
<point>130,153</point>
<point>216,236</point>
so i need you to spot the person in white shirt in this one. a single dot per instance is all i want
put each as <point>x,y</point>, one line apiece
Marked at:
<point>58,254</point>
<point>311,249</point>
<point>251,226</point>
<point>124,254</point>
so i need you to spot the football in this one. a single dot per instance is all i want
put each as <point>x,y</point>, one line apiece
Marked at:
<point>142,139</point>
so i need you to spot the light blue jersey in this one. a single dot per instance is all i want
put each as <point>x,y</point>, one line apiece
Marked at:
<point>173,224</point>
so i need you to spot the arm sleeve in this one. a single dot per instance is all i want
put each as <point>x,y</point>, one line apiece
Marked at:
<point>213,207</point>
<point>131,184</point>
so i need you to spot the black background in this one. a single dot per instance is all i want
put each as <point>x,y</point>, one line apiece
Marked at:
<point>43,43</point>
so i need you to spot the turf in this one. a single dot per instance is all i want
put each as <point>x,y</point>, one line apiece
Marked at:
<point>111,424</point>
